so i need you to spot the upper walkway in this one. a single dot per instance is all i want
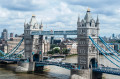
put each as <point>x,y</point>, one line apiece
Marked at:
<point>68,32</point>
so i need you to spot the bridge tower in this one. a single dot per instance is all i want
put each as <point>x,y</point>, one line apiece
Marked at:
<point>87,53</point>
<point>33,43</point>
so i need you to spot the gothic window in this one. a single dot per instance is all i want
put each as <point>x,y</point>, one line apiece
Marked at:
<point>93,49</point>
<point>82,25</point>
<point>27,41</point>
<point>90,24</point>
<point>82,51</point>
<point>83,30</point>
<point>93,32</point>
<point>27,48</point>
<point>82,60</point>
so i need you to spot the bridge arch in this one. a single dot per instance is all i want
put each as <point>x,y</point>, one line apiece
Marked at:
<point>36,57</point>
<point>93,63</point>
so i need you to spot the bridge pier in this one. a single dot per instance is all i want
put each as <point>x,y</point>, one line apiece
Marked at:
<point>85,74</point>
<point>25,66</point>
<point>96,75</point>
<point>39,69</point>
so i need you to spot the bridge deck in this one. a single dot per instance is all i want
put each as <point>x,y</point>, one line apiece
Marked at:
<point>60,64</point>
<point>107,70</point>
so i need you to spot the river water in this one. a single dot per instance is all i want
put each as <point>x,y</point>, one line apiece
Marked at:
<point>54,72</point>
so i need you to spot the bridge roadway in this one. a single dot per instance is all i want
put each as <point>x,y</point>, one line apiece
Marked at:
<point>68,32</point>
<point>60,64</point>
<point>9,59</point>
<point>107,70</point>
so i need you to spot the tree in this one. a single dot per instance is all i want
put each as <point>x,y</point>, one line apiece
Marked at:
<point>56,50</point>
<point>20,56</point>
<point>50,52</point>
<point>53,45</point>
<point>1,54</point>
<point>65,51</point>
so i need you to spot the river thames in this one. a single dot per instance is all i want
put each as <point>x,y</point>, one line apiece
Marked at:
<point>54,72</point>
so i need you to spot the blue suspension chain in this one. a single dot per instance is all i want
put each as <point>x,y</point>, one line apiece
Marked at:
<point>108,47</point>
<point>15,49</point>
<point>97,46</point>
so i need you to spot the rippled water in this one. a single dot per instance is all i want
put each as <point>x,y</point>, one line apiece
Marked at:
<point>54,72</point>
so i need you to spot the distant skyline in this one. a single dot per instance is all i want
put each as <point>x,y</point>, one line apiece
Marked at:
<point>59,14</point>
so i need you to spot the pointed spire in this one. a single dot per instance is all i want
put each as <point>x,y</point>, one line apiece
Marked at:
<point>97,21</point>
<point>78,18</point>
<point>41,25</point>
<point>33,20</point>
<point>88,16</point>
<point>25,22</point>
<point>88,10</point>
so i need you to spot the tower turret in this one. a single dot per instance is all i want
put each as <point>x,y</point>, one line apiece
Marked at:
<point>78,22</point>
<point>86,50</point>
<point>33,20</point>
<point>97,22</point>
<point>41,26</point>
<point>88,16</point>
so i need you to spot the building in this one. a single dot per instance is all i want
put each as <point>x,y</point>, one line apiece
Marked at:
<point>12,43</point>
<point>16,35</point>
<point>46,47</point>
<point>4,34</point>
<point>3,45</point>
<point>113,36</point>
<point>71,45</point>
<point>11,36</point>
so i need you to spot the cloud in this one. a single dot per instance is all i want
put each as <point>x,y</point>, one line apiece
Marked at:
<point>59,14</point>
<point>24,5</point>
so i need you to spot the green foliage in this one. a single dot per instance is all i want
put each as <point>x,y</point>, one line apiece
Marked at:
<point>1,54</point>
<point>20,56</point>
<point>50,52</point>
<point>53,45</point>
<point>56,50</point>
<point>65,51</point>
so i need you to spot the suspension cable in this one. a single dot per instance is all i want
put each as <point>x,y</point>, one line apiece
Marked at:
<point>98,47</point>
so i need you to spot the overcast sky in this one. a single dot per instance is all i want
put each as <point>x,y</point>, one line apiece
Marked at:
<point>59,14</point>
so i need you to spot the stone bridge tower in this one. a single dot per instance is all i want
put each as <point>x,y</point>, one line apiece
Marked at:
<point>87,52</point>
<point>32,43</point>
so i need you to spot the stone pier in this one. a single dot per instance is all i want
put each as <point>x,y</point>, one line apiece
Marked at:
<point>25,66</point>
<point>85,74</point>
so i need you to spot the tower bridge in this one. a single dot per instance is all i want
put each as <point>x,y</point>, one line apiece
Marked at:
<point>88,49</point>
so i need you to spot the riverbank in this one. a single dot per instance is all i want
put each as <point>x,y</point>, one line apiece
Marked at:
<point>71,55</point>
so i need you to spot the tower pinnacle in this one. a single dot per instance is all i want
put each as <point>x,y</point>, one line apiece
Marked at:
<point>97,21</point>
<point>88,10</point>
<point>78,18</point>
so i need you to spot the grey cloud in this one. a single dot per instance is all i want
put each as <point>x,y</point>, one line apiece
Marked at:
<point>21,5</point>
